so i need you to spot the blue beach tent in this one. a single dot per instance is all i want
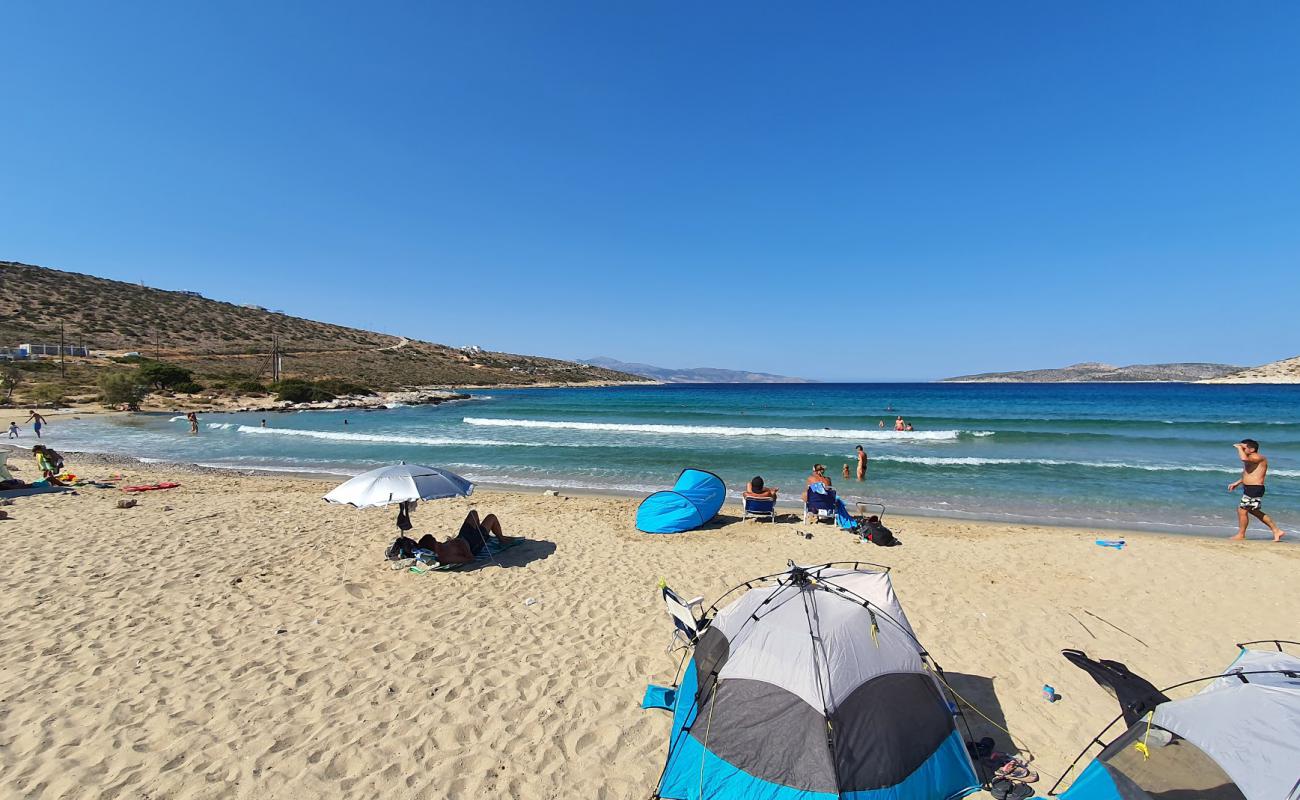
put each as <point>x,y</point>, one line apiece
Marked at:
<point>694,500</point>
<point>812,686</point>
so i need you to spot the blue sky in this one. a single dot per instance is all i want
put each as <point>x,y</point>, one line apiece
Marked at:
<point>860,191</point>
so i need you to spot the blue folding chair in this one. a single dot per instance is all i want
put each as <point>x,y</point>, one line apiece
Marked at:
<point>760,508</point>
<point>820,505</point>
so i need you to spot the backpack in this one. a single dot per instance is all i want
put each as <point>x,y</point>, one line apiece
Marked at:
<point>401,548</point>
<point>876,532</point>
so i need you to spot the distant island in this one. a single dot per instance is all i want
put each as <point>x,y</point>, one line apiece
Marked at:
<point>1093,372</point>
<point>1285,371</point>
<point>693,375</point>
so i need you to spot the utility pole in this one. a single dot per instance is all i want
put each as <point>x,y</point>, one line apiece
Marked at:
<point>62,369</point>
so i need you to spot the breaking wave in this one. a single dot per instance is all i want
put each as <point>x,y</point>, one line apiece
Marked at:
<point>724,430</point>
<point>972,461</point>
<point>382,438</point>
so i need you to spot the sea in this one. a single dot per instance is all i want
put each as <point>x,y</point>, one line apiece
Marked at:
<point>1147,456</point>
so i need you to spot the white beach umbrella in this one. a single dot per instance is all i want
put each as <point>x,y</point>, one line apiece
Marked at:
<point>400,483</point>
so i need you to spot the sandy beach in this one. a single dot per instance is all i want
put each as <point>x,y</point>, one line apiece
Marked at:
<point>238,637</point>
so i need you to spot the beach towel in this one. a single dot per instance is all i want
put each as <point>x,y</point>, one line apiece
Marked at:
<point>843,518</point>
<point>150,487</point>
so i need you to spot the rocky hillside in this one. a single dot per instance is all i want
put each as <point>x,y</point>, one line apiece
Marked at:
<point>1095,372</point>
<point>1284,371</point>
<point>216,339</point>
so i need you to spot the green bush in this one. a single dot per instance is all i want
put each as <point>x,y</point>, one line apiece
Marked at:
<point>121,388</point>
<point>188,387</point>
<point>337,386</point>
<point>248,386</point>
<point>296,390</point>
<point>48,394</point>
<point>161,375</point>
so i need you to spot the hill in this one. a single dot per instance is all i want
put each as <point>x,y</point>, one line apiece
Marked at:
<point>695,375</point>
<point>220,341</point>
<point>1095,372</point>
<point>1285,371</point>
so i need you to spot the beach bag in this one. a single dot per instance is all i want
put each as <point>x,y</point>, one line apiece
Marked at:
<point>878,534</point>
<point>401,548</point>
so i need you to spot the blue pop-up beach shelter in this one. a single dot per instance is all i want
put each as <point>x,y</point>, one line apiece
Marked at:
<point>695,498</point>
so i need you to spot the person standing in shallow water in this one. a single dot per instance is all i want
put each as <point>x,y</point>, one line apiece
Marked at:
<point>1254,469</point>
<point>862,464</point>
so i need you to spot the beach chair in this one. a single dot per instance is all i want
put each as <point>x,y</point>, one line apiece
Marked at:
<point>687,626</point>
<point>760,508</point>
<point>820,505</point>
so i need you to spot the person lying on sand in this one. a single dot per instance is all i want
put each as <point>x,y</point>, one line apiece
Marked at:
<point>473,537</point>
<point>759,491</point>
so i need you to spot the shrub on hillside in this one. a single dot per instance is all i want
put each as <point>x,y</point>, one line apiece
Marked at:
<point>48,394</point>
<point>162,375</point>
<point>296,390</point>
<point>188,387</point>
<point>248,386</point>
<point>338,386</point>
<point>121,388</point>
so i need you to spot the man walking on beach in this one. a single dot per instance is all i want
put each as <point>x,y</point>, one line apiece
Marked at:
<point>37,422</point>
<point>1254,468</point>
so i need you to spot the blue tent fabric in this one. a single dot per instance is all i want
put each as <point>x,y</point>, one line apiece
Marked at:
<point>695,498</point>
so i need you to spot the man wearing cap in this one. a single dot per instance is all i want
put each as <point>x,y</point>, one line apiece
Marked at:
<point>1254,468</point>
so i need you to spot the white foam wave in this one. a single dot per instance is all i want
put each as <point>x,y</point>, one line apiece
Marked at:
<point>723,430</point>
<point>221,425</point>
<point>384,438</point>
<point>973,461</point>
<point>177,419</point>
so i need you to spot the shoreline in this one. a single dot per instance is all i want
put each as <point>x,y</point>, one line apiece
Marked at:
<point>791,508</point>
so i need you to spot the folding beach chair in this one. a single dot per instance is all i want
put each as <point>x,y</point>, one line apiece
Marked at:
<point>820,505</point>
<point>687,626</point>
<point>760,508</point>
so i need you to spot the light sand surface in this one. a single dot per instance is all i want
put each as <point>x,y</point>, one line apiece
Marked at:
<point>238,637</point>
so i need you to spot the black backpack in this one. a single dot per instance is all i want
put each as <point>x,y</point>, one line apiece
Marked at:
<point>876,531</point>
<point>401,548</point>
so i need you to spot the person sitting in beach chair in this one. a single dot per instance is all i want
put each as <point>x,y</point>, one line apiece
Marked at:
<point>760,500</point>
<point>819,497</point>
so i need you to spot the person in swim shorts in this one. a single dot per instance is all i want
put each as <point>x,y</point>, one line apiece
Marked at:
<point>37,422</point>
<point>1254,469</point>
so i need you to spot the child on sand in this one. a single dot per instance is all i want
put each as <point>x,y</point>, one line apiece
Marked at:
<point>13,430</point>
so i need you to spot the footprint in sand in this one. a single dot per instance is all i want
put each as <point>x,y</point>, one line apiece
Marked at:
<point>358,590</point>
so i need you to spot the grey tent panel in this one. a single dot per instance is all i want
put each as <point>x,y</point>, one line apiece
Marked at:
<point>768,732</point>
<point>1178,770</point>
<point>710,656</point>
<point>887,728</point>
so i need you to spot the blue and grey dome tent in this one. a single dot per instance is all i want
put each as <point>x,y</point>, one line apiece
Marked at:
<point>695,498</point>
<point>1238,738</point>
<point>812,686</point>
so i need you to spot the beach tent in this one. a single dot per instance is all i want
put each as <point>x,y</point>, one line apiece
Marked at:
<point>1236,739</point>
<point>695,499</point>
<point>812,686</point>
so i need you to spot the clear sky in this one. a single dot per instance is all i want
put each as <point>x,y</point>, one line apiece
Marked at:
<point>864,191</point>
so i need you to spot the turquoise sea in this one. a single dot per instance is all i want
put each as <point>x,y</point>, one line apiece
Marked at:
<point>1147,456</point>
